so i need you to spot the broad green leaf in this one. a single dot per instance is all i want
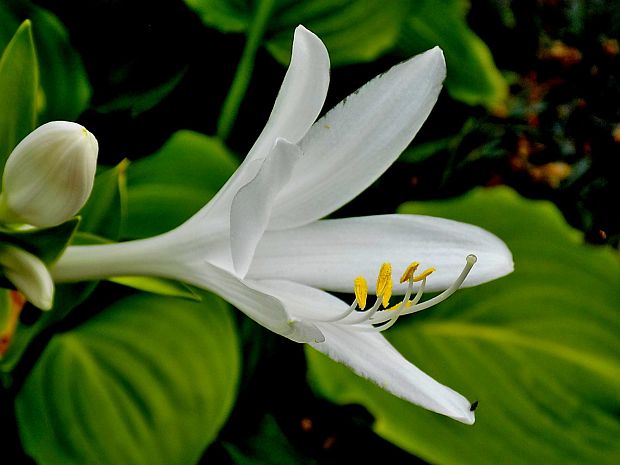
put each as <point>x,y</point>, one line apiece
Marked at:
<point>225,15</point>
<point>149,380</point>
<point>540,349</point>
<point>169,186</point>
<point>19,78</point>
<point>65,87</point>
<point>45,243</point>
<point>105,210</point>
<point>472,76</point>
<point>353,30</point>
<point>66,297</point>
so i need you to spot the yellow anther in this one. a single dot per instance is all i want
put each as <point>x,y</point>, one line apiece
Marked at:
<point>408,273</point>
<point>384,284</point>
<point>423,275</point>
<point>360,287</point>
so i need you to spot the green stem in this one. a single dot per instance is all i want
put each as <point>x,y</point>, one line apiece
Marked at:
<point>243,74</point>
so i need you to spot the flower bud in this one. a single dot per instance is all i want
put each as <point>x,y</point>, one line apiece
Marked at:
<point>28,274</point>
<point>49,175</point>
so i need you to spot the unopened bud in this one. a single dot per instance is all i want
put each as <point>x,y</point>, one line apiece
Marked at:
<point>49,175</point>
<point>28,274</point>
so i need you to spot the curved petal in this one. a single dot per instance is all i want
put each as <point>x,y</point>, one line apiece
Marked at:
<point>304,302</point>
<point>28,274</point>
<point>265,309</point>
<point>371,356</point>
<point>330,254</point>
<point>352,145</point>
<point>301,96</point>
<point>297,106</point>
<point>251,206</point>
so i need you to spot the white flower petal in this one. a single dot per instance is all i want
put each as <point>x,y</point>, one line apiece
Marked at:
<point>371,356</point>
<point>49,175</point>
<point>301,96</point>
<point>251,206</point>
<point>160,256</point>
<point>297,106</point>
<point>28,274</point>
<point>330,254</point>
<point>265,309</point>
<point>352,145</point>
<point>303,302</point>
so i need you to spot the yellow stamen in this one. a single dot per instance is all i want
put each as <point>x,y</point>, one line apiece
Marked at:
<point>360,287</point>
<point>408,273</point>
<point>384,284</point>
<point>423,275</point>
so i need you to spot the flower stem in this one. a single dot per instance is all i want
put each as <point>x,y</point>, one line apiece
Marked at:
<point>243,74</point>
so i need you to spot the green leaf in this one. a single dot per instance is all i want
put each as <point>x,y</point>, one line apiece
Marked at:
<point>225,15</point>
<point>421,152</point>
<point>540,349</point>
<point>106,208</point>
<point>353,30</point>
<point>160,286</point>
<point>45,243</point>
<point>66,297</point>
<point>19,77</point>
<point>65,87</point>
<point>472,76</point>
<point>169,186</point>
<point>150,380</point>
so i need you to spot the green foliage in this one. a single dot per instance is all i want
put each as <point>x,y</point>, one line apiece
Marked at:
<point>19,78</point>
<point>45,243</point>
<point>353,30</point>
<point>539,349</point>
<point>65,90</point>
<point>168,187</point>
<point>472,75</point>
<point>161,286</point>
<point>148,381</point>
<point>106,208</point>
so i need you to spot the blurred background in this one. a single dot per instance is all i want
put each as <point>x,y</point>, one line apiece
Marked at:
<point>524,140</point>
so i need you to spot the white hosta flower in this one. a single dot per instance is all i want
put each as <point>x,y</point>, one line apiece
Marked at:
<point>28,274</point>
<point>49,175</point>
<point>261,245</point>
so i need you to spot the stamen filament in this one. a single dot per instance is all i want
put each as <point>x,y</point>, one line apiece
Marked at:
<point>410,307</point>
<point>368,314</point>
<point>404,304</point>
<point>343,315</point>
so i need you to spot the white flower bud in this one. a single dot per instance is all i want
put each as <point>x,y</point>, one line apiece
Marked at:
<point>28,274</point>
<point>49,175</point>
